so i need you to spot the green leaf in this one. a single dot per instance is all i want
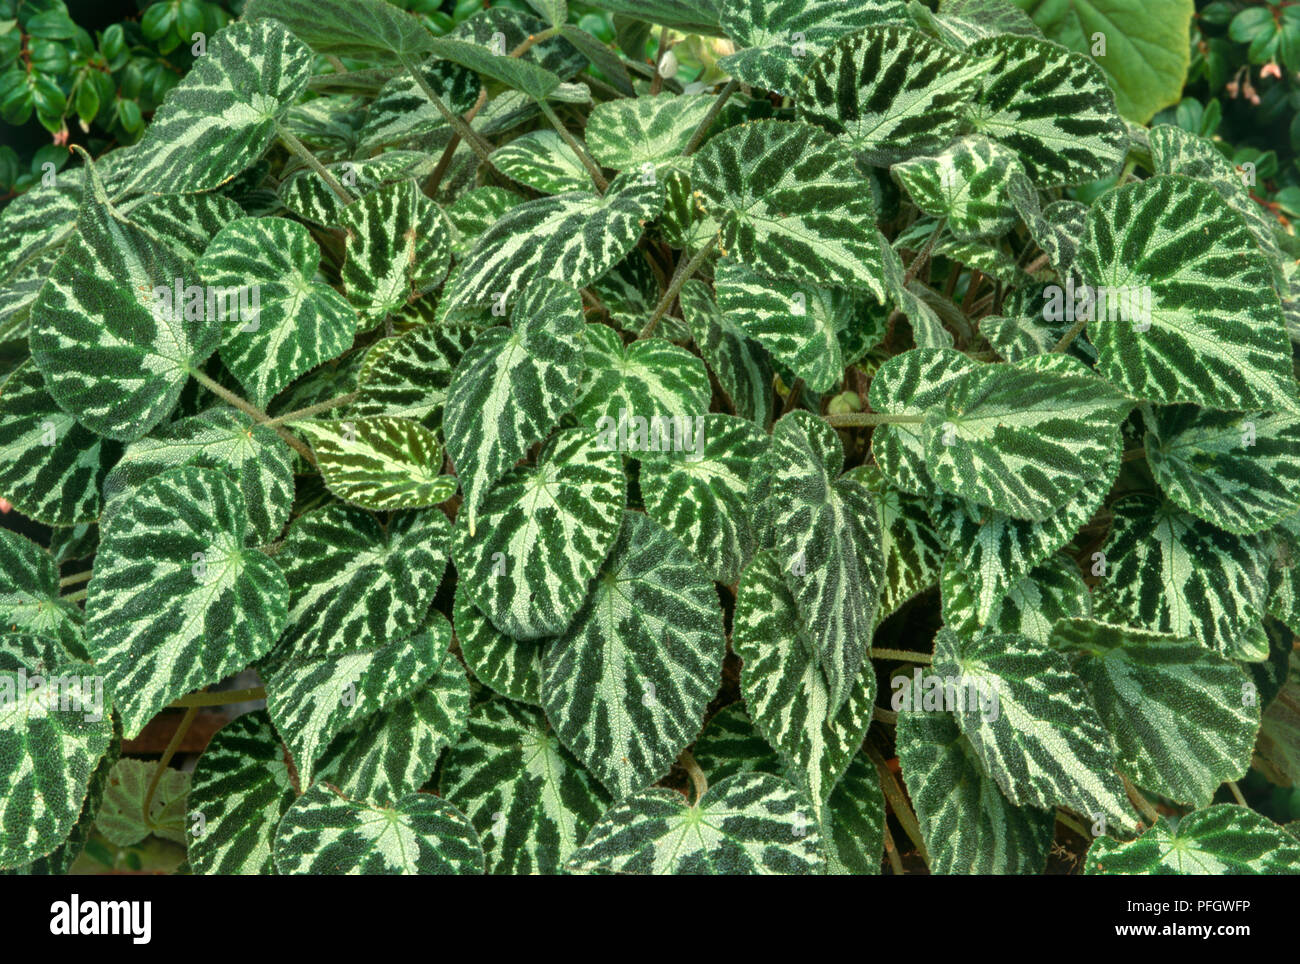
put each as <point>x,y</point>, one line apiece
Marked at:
<point>526,796</point>
<point>410,379</point>
<point>113,354</point>
<point>1023,437</point>
<point>537,82</point>
<point>1276,750</point>
<point>1055,590</point>
<point>785,691</point>
<point>543,534</point>
<point>1216,336</point>
<point>1173,573</point>
<point>511,387</point>
<point>474,212</point>
<point>911,384</point>
<point>397,247</point>
<point>1223,839</point>
<point>827,545</point>
<point>649,378</point>
<point>800,324</point>
<point>574,238</point>
<point>51,469</point>
<point>853,822</point>
<point>633,132</point>
<point>730,744</point>
<point>380,462</point>
<point>967,184</point>
<point>791,204</point>
<point>1240,472</point>
<point>752,823</point>
<point>1051,106</point>
<point>397,749</point>
<point>325,832</point>
<point>223,115</point>
<point>627,683</point>
<point>511,667</point>
<point>702,496</point>
<point>51,750</point>
<point>356,585</point>
<point>969,827</point>
<point>402,113</point>
<point>298,322</point>
<point>689,16</point>
<point>29,595</point>
<point>312,699</point>
<point>780,40</point>
<point>1184,719</point>
<point>890,93</point>
<point>541,160</point>
<point>1030,723</point>
<point>912,547</point>
<point>1146,52</point>
<point>122,819</point>
<point>739,362</point>
<point>240,789</point>
<point>306,195</point>
<point>369,30</point>
<point>253,456</point>
<point>180,599</point>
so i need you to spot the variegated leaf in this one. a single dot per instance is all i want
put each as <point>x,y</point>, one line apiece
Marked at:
<point>574,238</point>
<point>223,115</point>
<point>627,683</point>
<point>890,93</point>
<point>29,596</point>
<point>529,800</point>
<point>1173,573</point>
<point>1219,840</point>
<point>800,324</point>
<point>356,585</point>
<point>702,495</point>
<point>511,387</point>
<point>543,534</point>
<point>51,469</point>
<point>911,384</point>
<point>114,352</point>
<point>398,247</point>
<point>122,818</point>
<point>179,598</point>
<point>827,547</point>
<point>752,823</point>
<point>379,462</point>
<point>511,667</point>
<point>298,322</point>
<point>365,29</point>
<point>791,204</point>
<point>313,699</point>
<point>523,75</point>
<point>397,750</point>
<point>411,378</point>
<point>967,184</point>
<point>401,112</point>
<point>632,132</point>
<point>240,789</point>
<point>968,825</point>
<point>779,41</point>
<point>1050,105</point>
<point>912,548</point>
<point>474,212</point>
<point>785,691</point>
<point>731,744</point>
<point>740,363</point>
<point>853,822</point>
<point>1213,333</point>
<point>1238,471</point>
<point>1055,590</point>
<point>1031,724</point>
<point>306,195</point>
<point>53,737</point>
<point>253,456</point>
<point>541,160</point>
<point>1183,718</point>
<point>325,832</point>
<point>1023,437</point>
<point>648,379</point>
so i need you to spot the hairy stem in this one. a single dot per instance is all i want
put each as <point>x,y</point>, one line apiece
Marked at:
<point>458,124</point>
<point>299,148</point>
<point>680,277</point>
<point>592,167</point>
<point>1236,792</point>
<point>897,800</point>
<point>255,413</point>
<point>698,781</point>
<point>657,83</point>
<point>858,419</point>
<point>75,579</point>
<point>1149,813</point>
<point>891,851</point>
<point>310,410</point>
<point>902,655</point>
<point>73,597</point>
<point>1068,338</point>
<point>923,256</point>
<point>168,753</point>
<point>714,109</point>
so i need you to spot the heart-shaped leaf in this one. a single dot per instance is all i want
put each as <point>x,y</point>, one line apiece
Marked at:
<point>380,462</point>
